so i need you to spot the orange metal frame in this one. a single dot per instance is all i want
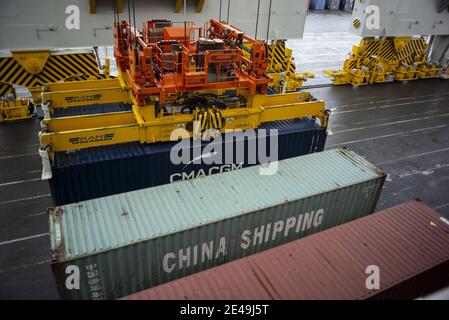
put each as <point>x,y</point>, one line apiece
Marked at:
<point>153,69</point>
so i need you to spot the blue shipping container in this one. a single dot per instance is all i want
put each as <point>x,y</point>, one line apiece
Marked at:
<point>318,4</point>
<point>103,171</point>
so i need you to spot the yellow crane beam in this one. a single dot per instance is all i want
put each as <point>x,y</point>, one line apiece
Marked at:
<point>141,124</point>
<point>77,94</point>
<point>76,98</point>
<point>82,85</point>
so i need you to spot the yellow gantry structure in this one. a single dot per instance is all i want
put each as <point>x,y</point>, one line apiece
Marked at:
<point>33,68</point>
<point>83,93</point>
<point>143,123</point>
<point>378,60</point>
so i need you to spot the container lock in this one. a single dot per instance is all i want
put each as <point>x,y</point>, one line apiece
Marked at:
<point>46,167</point>
<point>46,109</point>
<point>328,128</point>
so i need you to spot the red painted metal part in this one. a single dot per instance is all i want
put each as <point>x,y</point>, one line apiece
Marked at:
<point>409,244</point>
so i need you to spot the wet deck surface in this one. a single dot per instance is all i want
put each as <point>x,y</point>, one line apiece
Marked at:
<point>401,127</point>
<point>325,44</point>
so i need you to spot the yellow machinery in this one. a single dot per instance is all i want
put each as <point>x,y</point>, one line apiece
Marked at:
<point>282,68</point>
<point>378,60</point>
<point>31,69</point>
<point>5,89</point>
<point>188,90</point>
<point>143,124</point>
<point>13,108</point>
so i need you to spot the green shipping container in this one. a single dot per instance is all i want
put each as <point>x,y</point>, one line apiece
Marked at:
<point>113,246</point>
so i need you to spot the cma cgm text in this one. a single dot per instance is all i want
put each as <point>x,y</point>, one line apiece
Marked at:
<point>202,172</point>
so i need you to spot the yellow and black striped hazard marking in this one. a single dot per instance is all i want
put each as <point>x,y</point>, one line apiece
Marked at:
<point>356,23</point>
<point>278,55</point>
<point>5,88</point>
<point>210,118</point>
<point>370,52</point>
<point>385,49</point>
<point>379,48</point>
<point>388,51</point>
<point>351,63</point>
<point>370,62</point>
<point>13,73</point>
<point>67,67</point>
<point>414,48</point>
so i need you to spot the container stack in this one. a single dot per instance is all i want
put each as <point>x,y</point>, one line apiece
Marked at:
<point>140,239</point>
<point>102,171</point>
<point>395,239</point>
<point>137,224</point>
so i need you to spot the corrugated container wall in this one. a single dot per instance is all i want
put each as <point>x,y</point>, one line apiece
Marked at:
<point>407,246</point>
<point>98,172</point>
<point>125,243</point>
